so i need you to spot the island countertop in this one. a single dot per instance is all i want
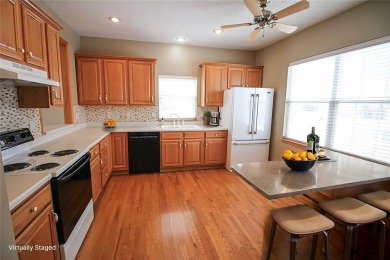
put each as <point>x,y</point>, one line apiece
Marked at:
<point>275,180</point>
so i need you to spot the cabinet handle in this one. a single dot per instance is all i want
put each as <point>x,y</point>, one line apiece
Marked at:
<point>30,54</point>
<point>207,100</point>
<point>34,209</point>
<point>22,50</point>
<point>54,94</point>
<point>180,145</point>
<point>101,161</point>
<point>106,98</point>
<point>185,144</point>
<point>100,98</point>
<point>206,143</point>
<point>55,216</point>
<point>216,134</point>
<point>152,98</point>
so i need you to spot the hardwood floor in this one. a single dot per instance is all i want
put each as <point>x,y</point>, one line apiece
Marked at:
<point>208,214</point>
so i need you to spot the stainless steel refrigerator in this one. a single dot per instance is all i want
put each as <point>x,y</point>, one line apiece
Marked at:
<point>247,113</point>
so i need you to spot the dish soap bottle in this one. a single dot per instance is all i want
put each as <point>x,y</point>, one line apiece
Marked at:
<point>313,142</point>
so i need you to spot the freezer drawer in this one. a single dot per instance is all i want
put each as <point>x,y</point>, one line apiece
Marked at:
<point>246,152</point>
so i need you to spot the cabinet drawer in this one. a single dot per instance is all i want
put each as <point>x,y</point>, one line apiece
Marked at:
<point>216,134</point>
<point>193,135</point>
<point>103,158</point>
<point>171,135</point>
<point>94,152</point>
<point>30,209</point>
<point>103,143</point>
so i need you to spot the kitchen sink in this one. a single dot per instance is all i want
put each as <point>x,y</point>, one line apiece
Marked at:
<point>180,127</point>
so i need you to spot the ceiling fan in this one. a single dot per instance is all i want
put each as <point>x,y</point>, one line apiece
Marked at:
<point>265,18</point>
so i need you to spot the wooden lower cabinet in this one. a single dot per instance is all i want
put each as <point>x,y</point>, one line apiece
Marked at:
<point>34,225</point>
<point>120,158</point>
<point>192,149</point>
<point>96,178</point>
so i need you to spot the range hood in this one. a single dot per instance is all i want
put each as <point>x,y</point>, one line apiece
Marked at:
<point>22,75</point>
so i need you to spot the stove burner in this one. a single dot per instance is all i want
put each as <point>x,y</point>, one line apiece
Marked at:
<point>64,152</point>
<point>38,153</point>
<point>15,166</point>
<point>45,166</point>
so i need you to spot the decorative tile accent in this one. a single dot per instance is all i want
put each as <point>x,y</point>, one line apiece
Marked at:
<point>79,114</point>
<point>13,117</point>
<point>122,114</point>
<point>201,111</point>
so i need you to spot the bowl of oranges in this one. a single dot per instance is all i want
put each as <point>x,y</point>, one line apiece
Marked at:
<point>110,123</point>
<point>299,161</point>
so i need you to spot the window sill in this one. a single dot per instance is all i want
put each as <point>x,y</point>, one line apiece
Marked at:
<point>297,144</point>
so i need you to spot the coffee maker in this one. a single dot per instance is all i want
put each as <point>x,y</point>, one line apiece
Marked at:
<point>214,119</point>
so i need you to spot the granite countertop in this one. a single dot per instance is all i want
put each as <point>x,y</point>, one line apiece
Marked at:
<point>21,186</point>
<point>275,180</point>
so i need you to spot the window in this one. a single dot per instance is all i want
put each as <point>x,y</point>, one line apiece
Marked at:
<point>177,95</point>
<point>345,94</point>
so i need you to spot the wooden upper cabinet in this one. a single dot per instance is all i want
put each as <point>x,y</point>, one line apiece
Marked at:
<point>236,77</point>
<point>245,76</point>
<point>11,41</point>
<point>89,81</point>
<point>115,82</point>
<point>141,76</point>
<point>214,81</point>
<point>34,33</point>
<point>54,67</point>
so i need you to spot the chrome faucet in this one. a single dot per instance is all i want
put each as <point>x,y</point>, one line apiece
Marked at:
<point>178,118</point>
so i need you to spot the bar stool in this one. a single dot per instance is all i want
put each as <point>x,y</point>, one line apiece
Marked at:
<point>300,220</point>
<point>379,199</point>
<point>355,213</point>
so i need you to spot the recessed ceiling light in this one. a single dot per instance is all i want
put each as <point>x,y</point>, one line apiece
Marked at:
<point>218,31</point>
<point>180,39</point>
<point>114,19</point>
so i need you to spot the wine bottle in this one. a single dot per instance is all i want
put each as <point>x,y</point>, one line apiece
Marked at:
<point>312,141</point>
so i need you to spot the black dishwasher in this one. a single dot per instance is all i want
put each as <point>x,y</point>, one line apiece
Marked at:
<point>144,152</point>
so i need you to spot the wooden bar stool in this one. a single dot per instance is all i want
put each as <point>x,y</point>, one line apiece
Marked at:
<point>355,213</point>
<point>379,199</point>
<point>299,221</point>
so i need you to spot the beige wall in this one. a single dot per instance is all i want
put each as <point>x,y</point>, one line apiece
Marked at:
<point>365,22</point>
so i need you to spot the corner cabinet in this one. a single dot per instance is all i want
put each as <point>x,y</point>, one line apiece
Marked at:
<point>34,225</point>
<point>108,80</point>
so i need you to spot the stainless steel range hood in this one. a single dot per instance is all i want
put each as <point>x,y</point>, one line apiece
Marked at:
<point>22,75</point>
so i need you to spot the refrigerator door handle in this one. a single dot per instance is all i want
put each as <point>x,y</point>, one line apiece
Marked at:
<point>257,112</point>
<point>251,114</point>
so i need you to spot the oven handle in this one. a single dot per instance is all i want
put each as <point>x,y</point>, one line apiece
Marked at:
<point>69,173</point>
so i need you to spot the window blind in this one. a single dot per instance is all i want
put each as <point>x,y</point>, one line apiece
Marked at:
<point>177,95</point>
<point>346,97</point>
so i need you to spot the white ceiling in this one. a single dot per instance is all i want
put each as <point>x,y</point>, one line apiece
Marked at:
<point>163,20</point>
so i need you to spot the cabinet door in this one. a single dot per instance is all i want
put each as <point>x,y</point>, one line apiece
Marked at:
<point>53,62</point>
<point>120,158</point>
<point>115,82</point>
<point>96,177</point>
<point>89,81</point>
<point>34,38</point>
<point>141,78</point>
<point>215,151</point>
<point>193,152</point>
<point>11,43</point>
<point>215,83</point>
<point>171,153</point>
<point>236,77</point>
<point>41,232</point>
<point>254,77</point>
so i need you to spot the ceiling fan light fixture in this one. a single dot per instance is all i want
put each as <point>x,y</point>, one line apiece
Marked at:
<point>180,39</point>
<point>114,19</point>
<point>218,31</point>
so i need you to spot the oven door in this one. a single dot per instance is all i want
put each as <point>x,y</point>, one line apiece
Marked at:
<point>72,191</point>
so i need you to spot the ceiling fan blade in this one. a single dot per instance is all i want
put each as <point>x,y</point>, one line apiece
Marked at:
<point>253,34</point>
<point>253,7</point>
<point>235,25</point>
<point>284,27</point>
<point>292,9</point>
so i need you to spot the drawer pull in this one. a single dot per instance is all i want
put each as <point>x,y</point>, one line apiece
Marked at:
<point>55,216</point>
<point>30,54</point>
<point>34,209</point>
<point>216,134</point>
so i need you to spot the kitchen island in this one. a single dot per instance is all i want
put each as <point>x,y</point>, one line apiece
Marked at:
<point>274,179</point>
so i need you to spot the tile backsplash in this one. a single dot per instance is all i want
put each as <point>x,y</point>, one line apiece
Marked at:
<point>13,117</point>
